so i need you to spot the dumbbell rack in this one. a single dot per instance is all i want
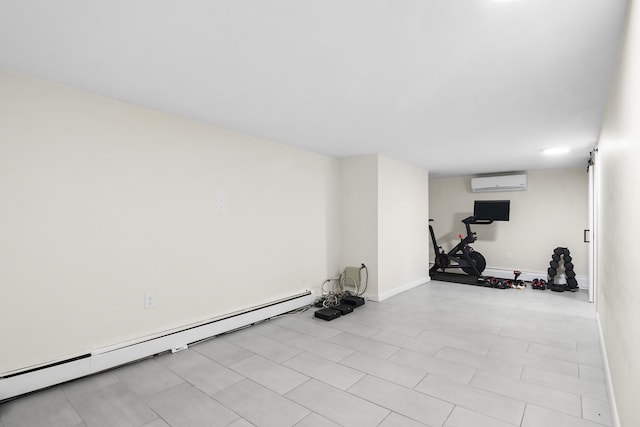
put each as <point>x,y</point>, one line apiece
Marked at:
<point>562,255</point>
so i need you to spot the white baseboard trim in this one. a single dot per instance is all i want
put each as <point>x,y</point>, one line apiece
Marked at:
<point>615,419</point>
<point>398,290</point>
<point>17,383</point>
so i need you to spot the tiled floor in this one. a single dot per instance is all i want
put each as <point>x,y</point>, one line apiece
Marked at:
<point>441,354</point>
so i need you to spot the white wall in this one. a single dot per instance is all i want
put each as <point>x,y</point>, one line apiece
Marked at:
<point>102,201</point>
<point>403,214</point>
<point>359,213</point>
<point>385,209</point>
<point>552,212</point>
<point>618,250</point>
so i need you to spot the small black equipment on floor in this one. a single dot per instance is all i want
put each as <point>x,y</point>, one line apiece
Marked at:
<point>337,301</point>
<point>327,314</point>
<point>346,304</point>
<point>353,300</point>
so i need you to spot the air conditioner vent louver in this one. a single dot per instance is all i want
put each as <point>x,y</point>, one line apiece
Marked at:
<point>482,184</point>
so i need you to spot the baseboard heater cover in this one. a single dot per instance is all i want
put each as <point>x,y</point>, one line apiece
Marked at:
<point>18,383</point>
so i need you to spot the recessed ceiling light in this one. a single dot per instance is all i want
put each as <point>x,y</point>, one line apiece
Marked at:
<point>555,151</point>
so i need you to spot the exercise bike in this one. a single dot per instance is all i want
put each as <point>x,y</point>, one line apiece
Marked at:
<point>462,255</point>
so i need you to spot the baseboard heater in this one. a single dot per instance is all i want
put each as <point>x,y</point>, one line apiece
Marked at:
<point>35,378</point>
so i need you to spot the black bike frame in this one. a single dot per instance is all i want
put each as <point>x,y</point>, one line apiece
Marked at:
<point>460,252</point>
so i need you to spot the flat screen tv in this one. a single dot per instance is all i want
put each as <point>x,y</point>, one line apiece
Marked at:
<point>491,210</point>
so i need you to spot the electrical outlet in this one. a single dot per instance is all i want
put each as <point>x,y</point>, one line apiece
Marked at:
<point>149,300</point>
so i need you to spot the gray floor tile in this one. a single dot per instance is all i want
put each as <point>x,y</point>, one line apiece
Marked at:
<point>205,374</point>
<point>329,372</point>
<point>535,416</point>
<point>515,347</point>
<point>487,403</point>
<point>566,383</point>
<point>389,311</point>
<point>589,346</point>
<point>486,322</point>
<point>587,326</point>
<point>46,408</point>
<point>447,338</point>
<point>341,407</point>
<point>385,369</point>
<point>269,374</point>
<point>147,377</point>
<point>241,423</point>
<point>592,374</point>
<point>444,368</point>
<point>364,345</point>
<point>501,367</point>
<point>547,397</point>
<point>408,343</point>
<point>405,401</point>
<point>462,417</point>
<point>322,348</point>
<point>315,328</point>
<point>346,324</point>
<point>523,357</point>
<point>157,423</point>
<point>261,406</point>
<point>84,388</point>
<point>482,339</point>
<point>110,415</point>
<point>185,405</point>
<point>386,325</point>
<point>113,405</point>
<point>315,420</point>
<point>596,411</point>
<point>221,351</point>
<point>269,348</point>
<point>536,336</point>
<point>591,359</point>
<point>397,420</point>
<point>274,331</point>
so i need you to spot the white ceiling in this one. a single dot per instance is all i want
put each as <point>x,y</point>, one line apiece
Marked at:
<point>458,87</point>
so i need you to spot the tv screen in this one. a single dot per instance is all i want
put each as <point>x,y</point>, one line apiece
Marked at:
<point>494,210</point>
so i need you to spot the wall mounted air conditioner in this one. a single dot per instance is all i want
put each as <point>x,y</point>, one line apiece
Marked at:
<point>516,182</point>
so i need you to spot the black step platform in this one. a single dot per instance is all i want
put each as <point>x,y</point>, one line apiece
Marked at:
<point>352,300</point>
<point>343,308</point>
<point>458,278</point>
<point>327,314</point>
